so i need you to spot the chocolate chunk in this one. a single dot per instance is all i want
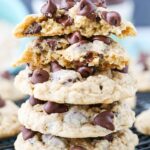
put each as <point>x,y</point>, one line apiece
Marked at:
<point>105,120</point>
<point>2,103</point>
<point>39,76</point>
<point>86,8</point>
<point>99,3</point>
<point>64,20</point>
<point>51,107</point>
<point>124,70</point>
<point>6,75</point>
<point>27,133</point>
<point>64,4</point>
<point>33,29</point>
<point>55,66</point>
<point>86,71</point>
<point>89,56</point>
<point>109,137</point>
<point>106,40</point>
<point>74,37</point>
<point>52,43</point>
<point>49,9</point>
<point>77,148</point>
<point>112,17</point>
<point>33,101</point>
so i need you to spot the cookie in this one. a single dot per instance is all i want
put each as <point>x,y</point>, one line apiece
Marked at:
<point>9,124</point>
<point>68,86</point>
<point>74,50</point>
<point>124,140</point>
<point>142,123</point>
<point>7,88</point>
<point>131,102</point>
<point>75,121</point>
<point>85,16</point>
<point>142,68</point>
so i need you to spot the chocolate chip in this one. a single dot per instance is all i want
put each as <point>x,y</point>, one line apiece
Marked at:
<point>64,20</point>
<point>99,3</point>
<point>86,71</point>
<point>112,17</point>
<point>86,8</point>
<point>74,37</point>
<point>52,43</point>
<point>109,137</point>
<point>124,70</point>
<point>33,101</point>
<point>64,4</point>
<point>39,76</point>
<point>83,42</point>
<point>77,148</point>
<point>2,103</point>
<point>27,133</point>
<point>51,107</point>
<point>89,56</point>
<point>106,40</point>
<point>33,29</point>
<point>6,75</point>
<point>49,9</point>
<point>105,120</point>
<point>55,66</point>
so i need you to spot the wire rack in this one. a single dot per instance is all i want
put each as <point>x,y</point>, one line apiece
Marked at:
<point>143,103</point>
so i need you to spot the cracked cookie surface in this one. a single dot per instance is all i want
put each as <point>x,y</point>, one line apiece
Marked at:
<point>101,52</point>
<point>97,21</point>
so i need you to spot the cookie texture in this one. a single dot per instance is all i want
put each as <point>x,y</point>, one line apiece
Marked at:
<point>77,121</point>
<point>71,21</point>
<point>67,86</point>
<point>9,124</point>
<point>142,123</point>
<point>102,54</point>
<point>131,102</point>
<point>124,140</point>
<point>8,90</point>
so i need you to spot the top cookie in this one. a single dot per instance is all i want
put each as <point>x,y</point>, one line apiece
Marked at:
<point>89,17</point>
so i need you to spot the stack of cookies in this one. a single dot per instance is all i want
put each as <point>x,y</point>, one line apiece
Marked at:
<point>77,78</point>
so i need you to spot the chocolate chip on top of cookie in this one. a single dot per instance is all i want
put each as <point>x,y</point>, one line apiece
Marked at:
<point>105,119</point>
<point>27,133</point>
<point>51,107</point>
<point>39,76</point>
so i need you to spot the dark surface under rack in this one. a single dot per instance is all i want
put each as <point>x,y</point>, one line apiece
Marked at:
<point>142,104</point>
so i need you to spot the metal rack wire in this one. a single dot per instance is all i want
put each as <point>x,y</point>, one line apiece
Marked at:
<point>144,144</point>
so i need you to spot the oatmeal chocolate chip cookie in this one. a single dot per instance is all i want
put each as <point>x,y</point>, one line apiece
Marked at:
<point>142,68</point>
<point>68,86</point>
<point>143,122</point>
<point>7,89</point>
<point>9,124</point>
<point>88,17</point>
<point>73,51</point>
<point>124,140</point>
<point>75,121</point>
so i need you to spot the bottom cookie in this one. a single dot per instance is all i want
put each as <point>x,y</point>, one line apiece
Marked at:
<point>123,140</point>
